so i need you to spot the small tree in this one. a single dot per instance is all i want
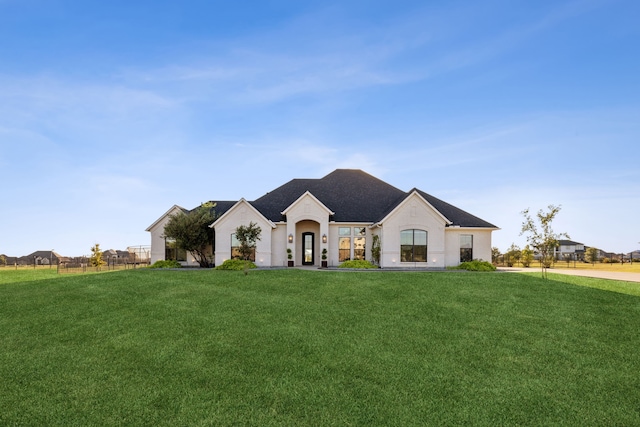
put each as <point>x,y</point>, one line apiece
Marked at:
<point>96,256</point>
<point>247,236</point>
<point>375,249</point>
<point>192,232</point>
<point>495,255</point>
<point>526,257</point>
<point>543,239</point>
<point>513,255</point>
<point>591,255</point>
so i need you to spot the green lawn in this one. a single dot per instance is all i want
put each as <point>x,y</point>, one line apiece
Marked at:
<point>290,347</point>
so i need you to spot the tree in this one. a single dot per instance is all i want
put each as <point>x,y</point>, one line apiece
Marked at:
<point>526,257</point>
<point>96,256</point>
<point>513,255</point>
<point>591,255</point>
<point>495,255</point>
<point>3,260</point>
<point>192,232</point>
<point>375,249</point>
<point>541,236</point>
<point>247,236</point>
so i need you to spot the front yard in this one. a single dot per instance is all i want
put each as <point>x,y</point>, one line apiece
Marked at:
<point>289,347</point>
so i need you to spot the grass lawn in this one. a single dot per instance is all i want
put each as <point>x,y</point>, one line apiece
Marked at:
<point>291,347</point>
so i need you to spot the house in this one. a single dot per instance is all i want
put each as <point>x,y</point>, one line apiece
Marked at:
<point>41,258</point>
<point>342,212</point>
<point>569,250</point>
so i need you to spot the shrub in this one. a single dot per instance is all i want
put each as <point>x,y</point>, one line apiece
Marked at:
<point>356,263</point>
<point>475,265</point>
<point>169,263</point>
<point>236,264</point>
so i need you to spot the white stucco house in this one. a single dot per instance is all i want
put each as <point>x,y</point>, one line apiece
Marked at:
<point>342,212</point>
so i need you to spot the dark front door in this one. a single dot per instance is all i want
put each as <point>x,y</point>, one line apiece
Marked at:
<point>307,249</point>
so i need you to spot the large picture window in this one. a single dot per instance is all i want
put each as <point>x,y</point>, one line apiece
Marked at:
<point>466,247</point>
<point>344,249</point>
<point>359,248</point>
<point>413,246</point>
<point>173,252</point>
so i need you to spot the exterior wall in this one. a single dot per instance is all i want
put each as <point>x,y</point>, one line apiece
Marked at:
<point>158,242</point>
<point>333,239</point>
<point>279,245</point>
<point>481,244</point>
<point>414,213</point>
<point>307,214</point>
<point>242,214</point>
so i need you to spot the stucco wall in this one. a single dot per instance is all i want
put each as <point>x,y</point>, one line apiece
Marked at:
<point>242,214</point>
<point>307,214</point>
<point>413,213</point>
<point>158,241</point>
<point>481,244</point>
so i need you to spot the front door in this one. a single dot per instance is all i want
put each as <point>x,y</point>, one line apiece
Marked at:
<point>307,249</point>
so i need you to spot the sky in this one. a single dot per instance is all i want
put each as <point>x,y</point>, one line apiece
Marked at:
<point>113,112</point>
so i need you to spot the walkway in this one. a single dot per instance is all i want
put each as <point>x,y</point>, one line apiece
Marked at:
<point>599,274</point>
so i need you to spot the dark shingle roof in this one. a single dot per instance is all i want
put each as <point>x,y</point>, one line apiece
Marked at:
<point>456,215</point>
<point>353,196</point>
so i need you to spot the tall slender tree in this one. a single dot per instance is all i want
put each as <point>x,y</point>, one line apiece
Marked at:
<point>541,236</point>
<point>96,256</point>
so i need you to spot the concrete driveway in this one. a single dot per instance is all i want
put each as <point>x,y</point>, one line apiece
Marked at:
<point>612,275</point>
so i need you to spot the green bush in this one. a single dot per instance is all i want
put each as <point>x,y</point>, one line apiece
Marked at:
<point>356,263</point>
<point>166,264</point>
<point>235,264</point>
<point>475,265</point>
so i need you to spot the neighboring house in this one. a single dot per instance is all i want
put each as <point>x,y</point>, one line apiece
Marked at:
<point>41,258</point>
<point>114,256</point>
<point>569,250</point>
<point>341,213</point>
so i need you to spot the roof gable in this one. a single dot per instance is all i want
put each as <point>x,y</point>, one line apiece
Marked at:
<point>235,207</point>
<point>413,194</point>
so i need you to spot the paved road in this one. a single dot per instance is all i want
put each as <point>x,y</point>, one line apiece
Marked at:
<point>613,275</point>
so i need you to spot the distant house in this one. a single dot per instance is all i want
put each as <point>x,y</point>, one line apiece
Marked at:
<point>41,258</point>
<point>114,256</point>
<point>341,213</point>
<point>570,250</point>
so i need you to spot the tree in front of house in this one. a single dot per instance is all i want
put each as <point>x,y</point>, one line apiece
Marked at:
<point>247,236</point>
<point>96,259</point>
<point>191,232</point>
<point>591,255</point>
<point>541,236</point>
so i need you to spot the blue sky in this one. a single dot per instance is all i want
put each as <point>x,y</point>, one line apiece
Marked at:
<point>112,112</point>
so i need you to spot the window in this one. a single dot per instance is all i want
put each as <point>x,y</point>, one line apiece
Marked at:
<point>466,247</point>
<point>344,231</point>
<point>345,246</point>
<point>173,252</point>
<point>359,248</point>
<point>413,246</point>
<point>344,249</point>
<point>235,249</point>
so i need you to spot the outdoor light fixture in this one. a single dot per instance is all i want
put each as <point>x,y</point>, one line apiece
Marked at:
<point>290,238</point>
<point>324,238</point>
